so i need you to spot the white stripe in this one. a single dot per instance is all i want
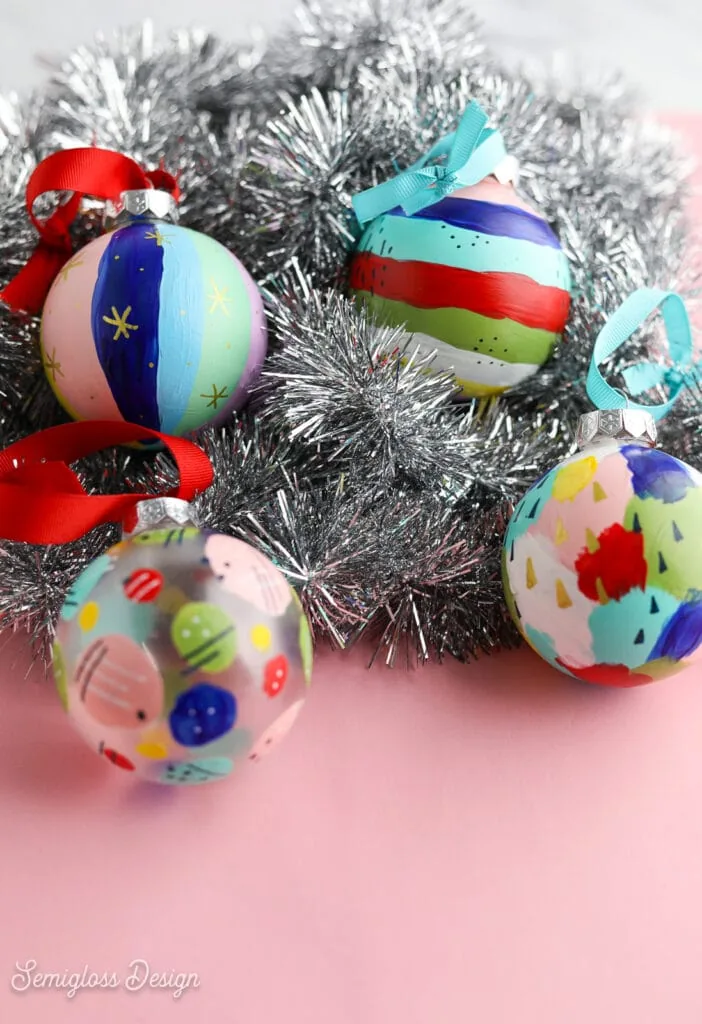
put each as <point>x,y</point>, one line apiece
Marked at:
<point>95,689</point>
<point>125,672</point>
<point>474,367</point>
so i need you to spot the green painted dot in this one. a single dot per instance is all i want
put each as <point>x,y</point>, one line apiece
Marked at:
<point>60,674</point>
<point>306,648</point>
<point>204,636</point>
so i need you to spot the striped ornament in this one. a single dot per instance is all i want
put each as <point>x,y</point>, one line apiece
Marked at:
<point>478,277</point>
<point>153,324</point>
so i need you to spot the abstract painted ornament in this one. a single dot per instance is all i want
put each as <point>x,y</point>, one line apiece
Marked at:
<point>181,653</point>
<point>178,652</point>
<point>153,323</point>
<point>471,270</point>
<point>602,563</point>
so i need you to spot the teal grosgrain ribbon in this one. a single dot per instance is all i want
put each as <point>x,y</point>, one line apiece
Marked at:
<point>474,151</point>
<point>632,313</point>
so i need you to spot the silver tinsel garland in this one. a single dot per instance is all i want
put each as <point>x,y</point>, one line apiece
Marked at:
<point>381,498</point>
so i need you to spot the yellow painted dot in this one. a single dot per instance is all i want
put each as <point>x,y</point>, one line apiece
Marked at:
<point>261,637</point>
<point>562,596</point>
<point>530,574</point>
<point>572,479</point>
<point>119,546</point>
<point>171,600</point>
<point>154,751</point>
<point>182,312</point>
<point>591,541</point>
<point>151,366</point>
<point>89,615</point>
<point>561,532</point>
<point>116,257</point>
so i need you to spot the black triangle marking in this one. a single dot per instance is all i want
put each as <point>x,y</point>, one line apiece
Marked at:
<point>534,510</point>
<point>654,606</point>
<point>676,532</point>
<point>662,567</point>
<point>639,637</point>
<point>636,525</point>
<point>511,552</point>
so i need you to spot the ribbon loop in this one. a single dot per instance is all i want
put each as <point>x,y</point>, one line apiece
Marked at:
<point>88,171</point>
<point>42,501</point>
<point>473,152</point>
<point>623,323</point>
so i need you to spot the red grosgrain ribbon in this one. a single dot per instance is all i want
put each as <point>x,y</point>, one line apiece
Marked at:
<point>102,173</point>
<point>42,500</point>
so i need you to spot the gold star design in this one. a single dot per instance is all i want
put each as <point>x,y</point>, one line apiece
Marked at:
<point>219,298</point>
<point>52,365</point>
<point>218,395</point>
<point>159,238</point>
<point>119,320</point>
<point>65,271</point>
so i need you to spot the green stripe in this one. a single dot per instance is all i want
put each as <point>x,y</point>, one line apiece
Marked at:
<point>226,332</point>
<point>504,339</point>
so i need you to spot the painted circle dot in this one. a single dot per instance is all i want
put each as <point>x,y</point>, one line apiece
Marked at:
<point>89,615</point>
<point>261,637</point>
<point>153,751</point>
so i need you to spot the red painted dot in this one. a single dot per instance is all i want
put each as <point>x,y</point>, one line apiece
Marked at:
<point>275,675</point>
<point>143,585</point>
<point>119,760</point>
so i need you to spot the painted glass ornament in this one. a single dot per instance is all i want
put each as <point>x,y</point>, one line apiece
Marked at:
<point>153,323</point>
<point>181,653</point>
<point>480,278</point>
<point>453,254</point>
<point>602,564</point>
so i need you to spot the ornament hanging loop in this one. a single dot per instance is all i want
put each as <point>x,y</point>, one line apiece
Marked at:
<point>88,171</point>
<point>623,323</point>
<point>473,152</point>
<point>42,501</point>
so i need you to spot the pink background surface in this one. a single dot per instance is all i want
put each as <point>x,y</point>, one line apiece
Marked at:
<point>490,844</point>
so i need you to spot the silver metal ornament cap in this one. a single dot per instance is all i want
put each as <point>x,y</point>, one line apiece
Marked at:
<point>149,203</point>
<point>616,425</point>
<point>161,513</point>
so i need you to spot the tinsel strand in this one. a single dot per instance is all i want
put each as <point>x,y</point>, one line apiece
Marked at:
<point>382,499</point>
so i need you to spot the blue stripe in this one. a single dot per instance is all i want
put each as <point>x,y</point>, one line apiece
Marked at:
<point>129,277</point>
<point>488,218</point>
<point>408,238</point>
<point>180,325</point>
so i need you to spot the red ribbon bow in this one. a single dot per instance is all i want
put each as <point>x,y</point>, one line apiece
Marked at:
<point>42,501</point>
<point>102,173</point>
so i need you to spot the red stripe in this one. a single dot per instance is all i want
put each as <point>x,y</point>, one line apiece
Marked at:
<point>493,294</point>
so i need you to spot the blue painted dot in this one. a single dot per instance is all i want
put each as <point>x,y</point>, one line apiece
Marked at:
<point>202,714</point>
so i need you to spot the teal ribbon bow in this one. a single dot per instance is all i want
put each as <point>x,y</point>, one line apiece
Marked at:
<point>632,313</point>
<point>474,151</point>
